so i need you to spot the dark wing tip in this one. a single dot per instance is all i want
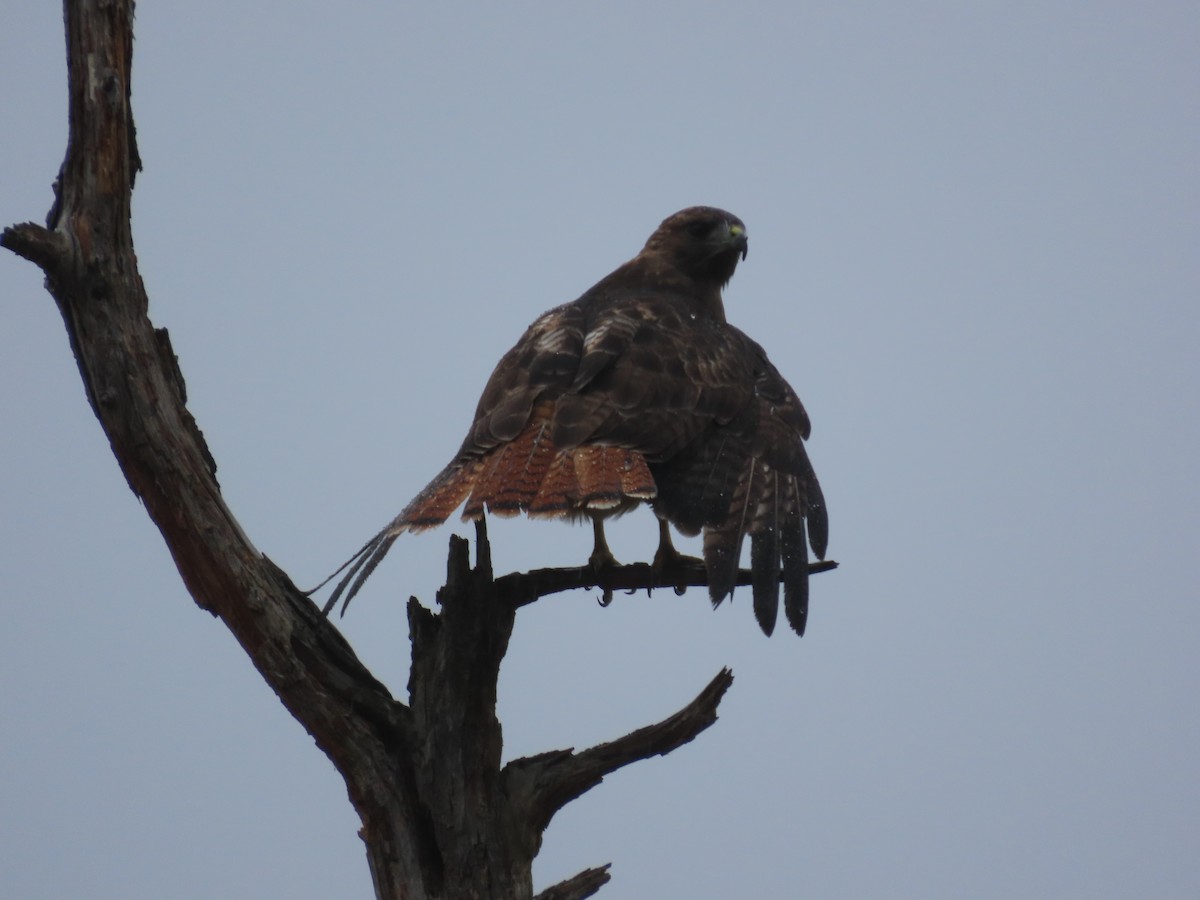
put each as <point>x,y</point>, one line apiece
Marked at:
<point>764,580</point>
<point>795,577</point>
<point>795,606</point>
<point>722,547</point>
<point>818,519</point>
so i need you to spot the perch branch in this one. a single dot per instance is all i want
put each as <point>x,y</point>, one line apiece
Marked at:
<point>33,242</point>
<point>549,781</point>
<point>523,588</point>
<point>577,887</point>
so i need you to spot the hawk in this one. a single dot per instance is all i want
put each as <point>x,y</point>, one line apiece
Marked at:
<point>640,392</point>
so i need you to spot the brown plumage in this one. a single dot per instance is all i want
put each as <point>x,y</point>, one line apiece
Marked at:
<point>640,391</point>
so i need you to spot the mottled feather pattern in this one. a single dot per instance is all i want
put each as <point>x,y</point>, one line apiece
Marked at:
<point>640,391</point>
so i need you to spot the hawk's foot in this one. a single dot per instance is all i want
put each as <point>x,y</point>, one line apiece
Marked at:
<point>601,557</point>
<point>667,560</point>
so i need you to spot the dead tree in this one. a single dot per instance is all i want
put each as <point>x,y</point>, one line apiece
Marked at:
<point>441,818</point>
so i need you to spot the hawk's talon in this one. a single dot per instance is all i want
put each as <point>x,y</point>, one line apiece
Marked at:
<point>667,560</point>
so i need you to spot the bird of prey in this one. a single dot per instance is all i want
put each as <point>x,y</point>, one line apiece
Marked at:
<point>639,392</point>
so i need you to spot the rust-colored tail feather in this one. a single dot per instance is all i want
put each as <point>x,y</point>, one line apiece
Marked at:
<point>513,474</point>
<point>441,497</point>
<point>609,475</point>
<point>553,499</point>
<point>636,480</point>
<point>527,474</point>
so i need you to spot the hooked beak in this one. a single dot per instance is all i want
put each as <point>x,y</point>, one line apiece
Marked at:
<point>740,240</point>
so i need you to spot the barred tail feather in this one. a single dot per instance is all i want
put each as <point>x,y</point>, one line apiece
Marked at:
<point>560,483</point>
<point>528,474</point>
<point>441,497</point>
<point>511,474</point>
<point>429,508</point>
<point>364,564</point>
<point>594,477</point>
<point>610,475</point>
<point>636,480</point>
<point>599,482</point>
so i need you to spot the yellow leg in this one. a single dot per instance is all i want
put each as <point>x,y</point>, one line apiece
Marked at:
<point>667,559</point>
<point>666,556</point>
<point>601,557</point>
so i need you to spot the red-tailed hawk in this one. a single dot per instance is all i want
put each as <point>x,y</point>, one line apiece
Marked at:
<point>641,392</point>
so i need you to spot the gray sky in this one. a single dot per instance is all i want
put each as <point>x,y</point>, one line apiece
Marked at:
<point>974,233</point>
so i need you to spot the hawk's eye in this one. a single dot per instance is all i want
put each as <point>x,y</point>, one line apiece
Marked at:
<point>700,229</point>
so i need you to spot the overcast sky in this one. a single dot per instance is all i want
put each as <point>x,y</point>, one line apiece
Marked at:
<point>975,253</point>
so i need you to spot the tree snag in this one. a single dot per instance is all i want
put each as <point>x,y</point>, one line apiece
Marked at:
<point>441,818</point>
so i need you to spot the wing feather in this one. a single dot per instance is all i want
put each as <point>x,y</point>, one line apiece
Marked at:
<point>748,457</point>
<point>795,560</point>
<point>764,552</point>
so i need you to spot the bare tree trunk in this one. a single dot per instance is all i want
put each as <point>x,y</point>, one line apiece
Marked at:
<point>440,817</point>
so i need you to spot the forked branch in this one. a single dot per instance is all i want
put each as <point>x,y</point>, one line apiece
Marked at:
<point>549,781</point>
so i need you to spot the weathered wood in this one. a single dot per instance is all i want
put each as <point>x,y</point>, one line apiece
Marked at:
<point>577,887</point>
<point>137,393</point>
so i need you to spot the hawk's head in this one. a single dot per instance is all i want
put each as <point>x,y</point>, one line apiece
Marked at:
<point>702,242</point>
